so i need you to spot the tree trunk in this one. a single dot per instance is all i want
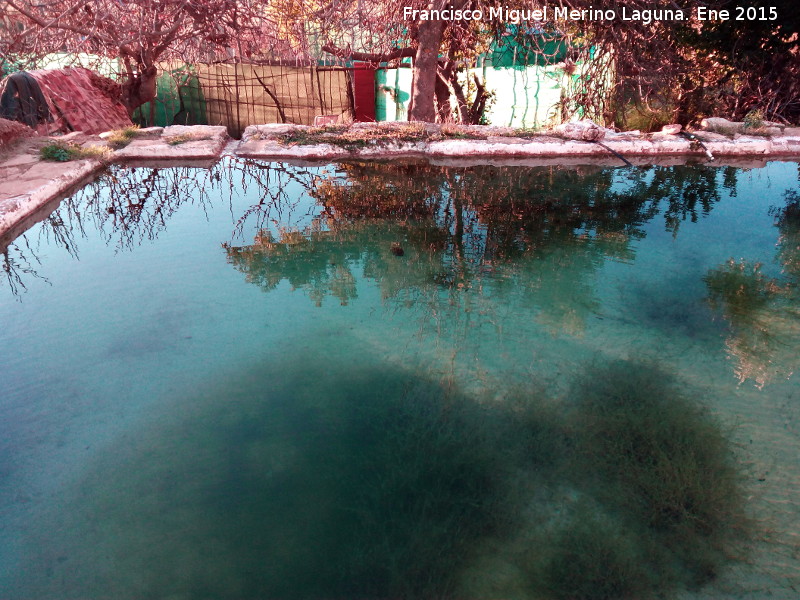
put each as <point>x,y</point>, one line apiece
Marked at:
<point>423,84</point>
<point>479,104</point>
<point>444,108</point>
<point>139,89</point>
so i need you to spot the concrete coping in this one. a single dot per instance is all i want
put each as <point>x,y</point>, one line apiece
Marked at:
<point>286,141</point>
<point>31,185</point>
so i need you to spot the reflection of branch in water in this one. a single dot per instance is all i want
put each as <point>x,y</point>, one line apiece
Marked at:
<point>787,220</point>
<point>130,206</point>
<point>55,229</point>
<point>270,181</point>
<point>14,267</point>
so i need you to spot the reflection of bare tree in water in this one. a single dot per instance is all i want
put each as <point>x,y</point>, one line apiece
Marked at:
<point>538,234</point>
<point>19,257</point>
<point>128,206</point>
<point>17,264</point>
<point>763,313</point>
<point>271,183</point>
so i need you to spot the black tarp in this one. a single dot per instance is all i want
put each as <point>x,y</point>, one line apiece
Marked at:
<point>21,99</point>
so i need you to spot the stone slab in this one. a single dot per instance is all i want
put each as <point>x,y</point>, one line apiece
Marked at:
<point>270,131</point>
<point>267,148</point>
<point>20,160</point>
<point>177,142</point>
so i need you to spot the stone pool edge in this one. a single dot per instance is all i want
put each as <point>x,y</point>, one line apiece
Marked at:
<point>51,181</point>
<point>268,142</point>
<point>207,144</point>
<point>20,212</point>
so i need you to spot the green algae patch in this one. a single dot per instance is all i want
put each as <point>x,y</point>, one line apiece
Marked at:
<point>376,482</point>
<point>665,483</point>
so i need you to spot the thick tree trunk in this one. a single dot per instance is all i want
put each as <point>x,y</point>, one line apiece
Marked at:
<point>423,85</point>
<point>139,89</point>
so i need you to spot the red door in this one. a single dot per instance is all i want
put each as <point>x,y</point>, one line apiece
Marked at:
<point>364,92</point>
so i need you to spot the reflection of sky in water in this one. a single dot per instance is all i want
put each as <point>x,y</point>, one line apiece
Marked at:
<point>145,328</point>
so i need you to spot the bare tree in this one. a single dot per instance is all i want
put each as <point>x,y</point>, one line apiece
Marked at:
<point>681,67</point>
<point>139,33</point>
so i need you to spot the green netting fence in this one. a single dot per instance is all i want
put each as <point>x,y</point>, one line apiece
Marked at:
<point>179,101</point>
<point>240,94</point>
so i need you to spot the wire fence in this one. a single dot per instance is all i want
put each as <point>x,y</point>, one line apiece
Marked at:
<point>236,95</point>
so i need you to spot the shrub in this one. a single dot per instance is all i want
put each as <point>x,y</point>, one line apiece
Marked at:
<point>646,117</point>
<point>63,152</point>
<point>59,152</point>
<point>754,119</point>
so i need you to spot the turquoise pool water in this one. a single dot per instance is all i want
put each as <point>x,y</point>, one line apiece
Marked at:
<point>271,381</point>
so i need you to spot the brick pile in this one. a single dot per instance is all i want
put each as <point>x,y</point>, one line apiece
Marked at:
<point>78,103</point>
<point>11,131</point>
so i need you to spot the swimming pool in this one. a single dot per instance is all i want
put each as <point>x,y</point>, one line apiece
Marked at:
<point>264,380</point>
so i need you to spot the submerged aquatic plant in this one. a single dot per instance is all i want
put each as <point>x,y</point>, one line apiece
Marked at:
<point>363,483</point>
<point>376,483</point>
<point>663,463</point>
<point>628,490</point>
<point>593,557</point>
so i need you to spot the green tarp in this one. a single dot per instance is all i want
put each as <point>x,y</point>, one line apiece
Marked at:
<point>179,101</point>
